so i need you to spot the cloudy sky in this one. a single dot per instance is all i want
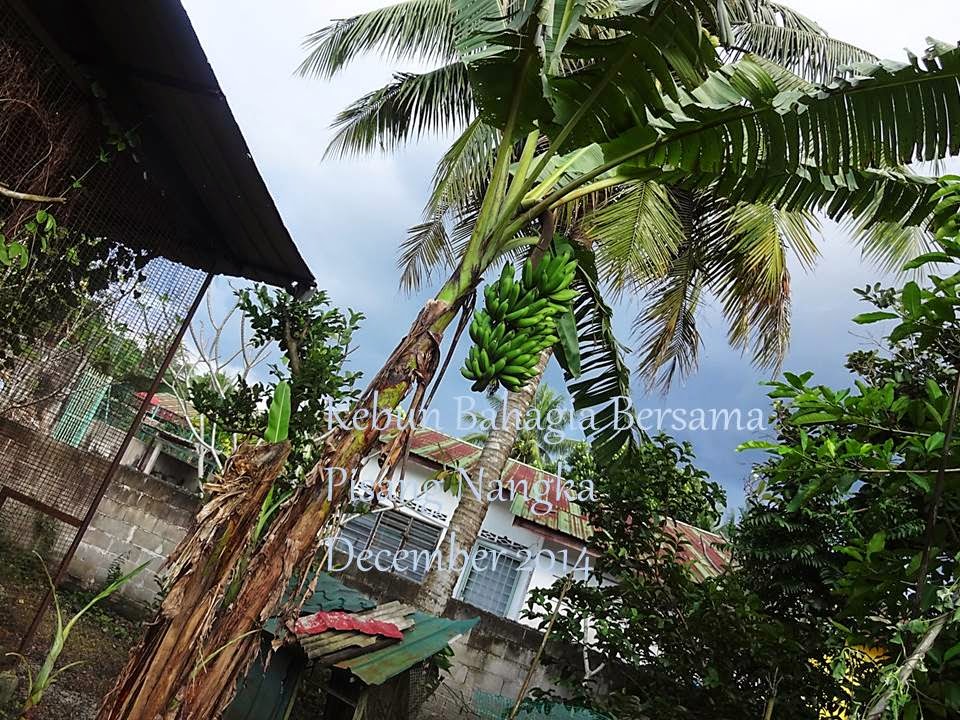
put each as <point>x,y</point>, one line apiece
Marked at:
<point>348,217</point>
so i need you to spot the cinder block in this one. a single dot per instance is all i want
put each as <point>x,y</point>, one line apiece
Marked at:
<point>487,682</point>
<point>458,674</point>
<point>469,658</point>
<point>147,541</point>
<point>97,538</point>
<point>117,529</point>
<point>109,507</point>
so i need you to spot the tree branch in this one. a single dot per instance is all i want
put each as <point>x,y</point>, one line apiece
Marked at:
<point>880,706</point>
<point>29,197</point>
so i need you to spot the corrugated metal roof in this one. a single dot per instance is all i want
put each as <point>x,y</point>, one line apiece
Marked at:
<point>571,520</point>
<point>147,57</point>
<point>453,452</point>
<point>332,646</point>
<point>426,638</point>
<point>321,622</point>
<point>329,595</point>
<point>703,549</point>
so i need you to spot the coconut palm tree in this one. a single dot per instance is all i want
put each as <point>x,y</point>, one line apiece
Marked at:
<point>684,116</point>
<point>649,240</point>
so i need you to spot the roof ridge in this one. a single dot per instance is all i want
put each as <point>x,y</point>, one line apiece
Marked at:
<point>480,449</point>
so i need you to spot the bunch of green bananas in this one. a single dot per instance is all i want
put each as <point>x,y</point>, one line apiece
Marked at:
<point>519,321</point>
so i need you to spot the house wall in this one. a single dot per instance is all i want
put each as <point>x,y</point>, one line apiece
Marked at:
<point>428,501</point>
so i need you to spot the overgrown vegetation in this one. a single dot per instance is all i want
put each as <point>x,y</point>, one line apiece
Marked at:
<point>314,341</point>
<point>841,595</point>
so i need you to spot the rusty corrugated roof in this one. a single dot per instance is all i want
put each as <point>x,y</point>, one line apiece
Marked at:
<point>703,549</point>
<point>321,622</point>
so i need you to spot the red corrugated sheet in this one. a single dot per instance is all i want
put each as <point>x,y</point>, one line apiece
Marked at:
<point>323,621</point>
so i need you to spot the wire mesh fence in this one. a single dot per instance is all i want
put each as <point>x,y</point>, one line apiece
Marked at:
<point>91,293</point>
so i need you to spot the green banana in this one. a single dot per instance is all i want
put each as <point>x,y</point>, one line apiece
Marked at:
<point>563,296</point>
<point>528,273</point>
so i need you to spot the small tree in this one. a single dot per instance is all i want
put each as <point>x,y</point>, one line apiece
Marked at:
<point>313,341</point>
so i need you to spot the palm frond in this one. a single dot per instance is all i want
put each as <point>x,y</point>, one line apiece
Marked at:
<point>751,277</point>
<point>414,29</point>
<point>808,54</point>
<point>790,39</point>
<point>763,235</point>
<point>634,234</point>
<point>412,105</point>
<point>770,13</point>
<point>426,248</point>
<point>666,325</point>
<point>889,244</point>
<point>464,170</point>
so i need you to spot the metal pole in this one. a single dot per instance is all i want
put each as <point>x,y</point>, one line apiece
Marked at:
<point>114,465</point>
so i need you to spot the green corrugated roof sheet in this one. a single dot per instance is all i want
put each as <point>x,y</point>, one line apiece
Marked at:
<point>329,595</point>
<point>427,637</point>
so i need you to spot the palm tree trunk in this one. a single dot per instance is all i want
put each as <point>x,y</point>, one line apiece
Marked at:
<point>438,585</point>
<point>468,517</point>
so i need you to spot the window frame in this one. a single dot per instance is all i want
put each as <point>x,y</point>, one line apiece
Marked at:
<point>521,573</point>
<point>412,517</point>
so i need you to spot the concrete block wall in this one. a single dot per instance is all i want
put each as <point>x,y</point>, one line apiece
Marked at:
<point>140,520</point>
<point>493,657</point>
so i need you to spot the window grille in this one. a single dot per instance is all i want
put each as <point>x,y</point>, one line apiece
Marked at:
<point>391,531</point>
<point>492,588</point>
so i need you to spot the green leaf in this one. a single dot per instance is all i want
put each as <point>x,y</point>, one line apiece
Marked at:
<point>911,298</point>
<point>801,497</point>
<point>872,317</point>
<point>934,442</point>
<point>877,542</point>
<point>278,418</point>
<point>756,445</point>
<point>904,330</point>
<point>951,653</point>
<point>568,349</point>
<point>814,418</point>
<point>927,258</point>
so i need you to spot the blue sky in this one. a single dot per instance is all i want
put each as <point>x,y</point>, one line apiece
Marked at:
<point>348,217</point>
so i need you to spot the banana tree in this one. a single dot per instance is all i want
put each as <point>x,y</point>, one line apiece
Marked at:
<point>734,135</point>
<point>660,243</point>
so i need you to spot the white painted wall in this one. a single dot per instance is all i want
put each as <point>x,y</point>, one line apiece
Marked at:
<point>422,497</point>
